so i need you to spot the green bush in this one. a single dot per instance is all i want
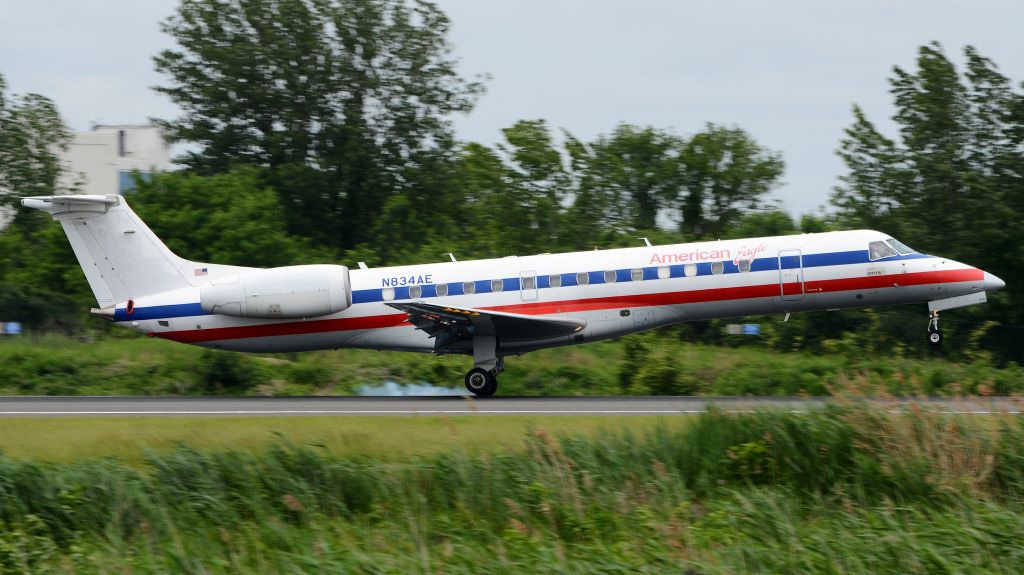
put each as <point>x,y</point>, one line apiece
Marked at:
<point>764,491</point>
<point>642,364</point>
<point>226,372</point>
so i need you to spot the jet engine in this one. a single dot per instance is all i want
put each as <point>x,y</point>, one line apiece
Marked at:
<point>291,292</point>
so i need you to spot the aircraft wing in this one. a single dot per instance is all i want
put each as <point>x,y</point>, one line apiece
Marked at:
<point>464,323</point>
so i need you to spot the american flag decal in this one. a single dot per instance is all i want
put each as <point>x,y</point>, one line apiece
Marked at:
<point>200,271</point>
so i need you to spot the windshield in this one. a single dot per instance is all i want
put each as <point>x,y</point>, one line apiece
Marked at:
<point>879,250</point>
<point>901,247</point>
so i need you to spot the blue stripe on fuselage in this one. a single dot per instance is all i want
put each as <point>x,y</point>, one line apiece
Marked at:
<point>160,312</point>
<point>769,263</point>
<point>543,282</point>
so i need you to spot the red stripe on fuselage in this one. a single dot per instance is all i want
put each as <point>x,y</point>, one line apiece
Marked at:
<point>896,280</point>
<point>592,304</point>
<point>291,328</point>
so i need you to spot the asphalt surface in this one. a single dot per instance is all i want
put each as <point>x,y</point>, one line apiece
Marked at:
<point>453,405</point>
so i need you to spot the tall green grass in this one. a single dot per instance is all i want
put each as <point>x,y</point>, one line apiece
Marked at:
<point>645,364</point>
<point>848,489</point>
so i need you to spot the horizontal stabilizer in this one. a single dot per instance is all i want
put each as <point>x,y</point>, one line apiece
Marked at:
<point>81,206</point>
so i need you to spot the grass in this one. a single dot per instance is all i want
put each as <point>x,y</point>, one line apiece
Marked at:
<point>849,489</point>
<point>657,364</point>
<point>381,437</point>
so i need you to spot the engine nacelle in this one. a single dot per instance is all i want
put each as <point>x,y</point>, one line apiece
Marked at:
<point>291,292</point>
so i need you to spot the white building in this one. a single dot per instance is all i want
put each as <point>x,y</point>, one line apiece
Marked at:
<point>102,160</point>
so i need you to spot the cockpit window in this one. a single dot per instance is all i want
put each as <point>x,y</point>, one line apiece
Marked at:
<point>901,247</point>
<point>879,250</point>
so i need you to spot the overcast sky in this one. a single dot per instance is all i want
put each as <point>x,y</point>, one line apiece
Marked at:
<point>788,72</point>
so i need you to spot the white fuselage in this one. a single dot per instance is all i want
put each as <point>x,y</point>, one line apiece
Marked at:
<point>616,292</point>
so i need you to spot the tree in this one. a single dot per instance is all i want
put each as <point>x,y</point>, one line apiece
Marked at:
<point>637,180</point>
<point>725,173</point>
<point>31,132</point>
<point>956,168</point>
<point>952,183</point>
<point>39,279</point>
<point>773,222</point>
<point>631,175</point>
<point>875,176</point>
<point>229,218</point>
<point>340,99</point>
<point>537,184</point>
<point>482,191</point>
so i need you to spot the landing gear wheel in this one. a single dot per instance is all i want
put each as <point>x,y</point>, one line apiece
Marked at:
<point>481,382</point>
<point>935,338</point>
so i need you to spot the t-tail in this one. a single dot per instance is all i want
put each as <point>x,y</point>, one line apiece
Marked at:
<point>123,259</point>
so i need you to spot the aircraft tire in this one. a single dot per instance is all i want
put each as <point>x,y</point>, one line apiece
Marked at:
<point>935,338</point>
<point>481,382</point>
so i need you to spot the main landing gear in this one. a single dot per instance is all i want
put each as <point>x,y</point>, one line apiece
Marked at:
<point>934,334</point>
<point>482,380</point>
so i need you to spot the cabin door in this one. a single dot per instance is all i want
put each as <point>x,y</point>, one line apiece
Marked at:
<point>791,275</point>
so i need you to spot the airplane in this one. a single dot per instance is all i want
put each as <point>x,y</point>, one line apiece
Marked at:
<point>493,308</point>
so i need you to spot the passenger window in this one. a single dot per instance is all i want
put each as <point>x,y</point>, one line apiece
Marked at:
<point>497,285</point>
<point>879,250</point>
<point>744,265</point>
<point>664,272</point>
<point>555,280</point>
<point>690,270</point>
<point>582,278</point>
<point>469,288</point>
<point>415,292</point>
<point>441,289</point>
<point>609,277</point>
<point>636,274</point>
<point>717,267</point>
<point>529,282</point>
<point>388,294</point>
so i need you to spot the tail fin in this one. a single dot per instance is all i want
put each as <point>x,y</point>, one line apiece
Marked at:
<point>121,257</point>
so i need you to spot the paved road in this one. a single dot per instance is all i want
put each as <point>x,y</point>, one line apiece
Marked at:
<point>289,406</point>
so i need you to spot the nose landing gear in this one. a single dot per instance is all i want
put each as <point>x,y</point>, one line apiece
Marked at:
<point>934,334</point>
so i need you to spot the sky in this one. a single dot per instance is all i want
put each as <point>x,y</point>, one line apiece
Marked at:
<point>788,72</point>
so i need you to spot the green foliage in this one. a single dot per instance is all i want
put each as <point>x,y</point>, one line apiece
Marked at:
<point>226,372</point>
<point>752,462</point>
<point>950,184</point>
<point>726,171</point>
<point>230,218</point>
<point>30,132</point>
<point>338,98</point>
<point>627,177</point>
<point>41,283</point>
<point>650,364</point>
<point>38,281</point>
<point>903,489</point>
<point>772,222</point>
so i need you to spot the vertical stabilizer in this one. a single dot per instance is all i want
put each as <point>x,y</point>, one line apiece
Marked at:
<point>121,257</point>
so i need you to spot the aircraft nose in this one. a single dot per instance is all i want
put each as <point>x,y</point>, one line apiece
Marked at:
<point>992,283</point>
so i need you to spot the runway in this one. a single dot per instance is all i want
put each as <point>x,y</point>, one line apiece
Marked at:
<point>455,405</point>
